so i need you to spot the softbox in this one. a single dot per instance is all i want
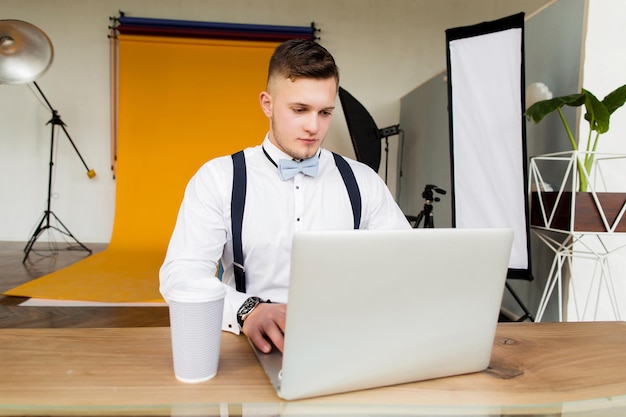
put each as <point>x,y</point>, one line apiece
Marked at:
<point>363,130</point>
<point>487,132</point>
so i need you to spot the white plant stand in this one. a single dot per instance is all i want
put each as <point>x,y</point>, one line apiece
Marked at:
<point>561,220</point>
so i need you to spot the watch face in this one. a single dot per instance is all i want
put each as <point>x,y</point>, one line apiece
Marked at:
<point>248,305</point>
<point>246,308</point>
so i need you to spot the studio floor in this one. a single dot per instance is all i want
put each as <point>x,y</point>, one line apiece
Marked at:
<point>43,259</point>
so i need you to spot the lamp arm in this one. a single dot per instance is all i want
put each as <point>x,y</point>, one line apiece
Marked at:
<point>56,119</point>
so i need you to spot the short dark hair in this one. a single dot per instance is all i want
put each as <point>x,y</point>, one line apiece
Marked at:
<point>302,58</point>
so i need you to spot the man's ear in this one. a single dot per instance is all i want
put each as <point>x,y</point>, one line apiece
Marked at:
<point>266,103</point>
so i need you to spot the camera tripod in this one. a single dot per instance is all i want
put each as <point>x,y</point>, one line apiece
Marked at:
<point>427,213</point>
<point>44,223</point>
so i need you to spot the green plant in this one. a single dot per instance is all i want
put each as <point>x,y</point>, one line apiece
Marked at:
<point>598,114</point>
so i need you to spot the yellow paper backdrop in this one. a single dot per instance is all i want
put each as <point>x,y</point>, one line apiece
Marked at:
<point>181,102</point>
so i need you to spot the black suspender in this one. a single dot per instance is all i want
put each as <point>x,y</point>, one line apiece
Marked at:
<point>238,201</point>
<point>351,186</point>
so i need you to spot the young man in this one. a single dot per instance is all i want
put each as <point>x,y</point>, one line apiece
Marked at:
<point>299,102</point>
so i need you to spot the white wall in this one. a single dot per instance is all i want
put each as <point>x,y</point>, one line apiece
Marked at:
<point>604,70</point>
<point>384,48</point>
<point>604,67</point>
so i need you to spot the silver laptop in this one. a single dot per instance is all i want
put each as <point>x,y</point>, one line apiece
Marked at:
<point>370,308</point>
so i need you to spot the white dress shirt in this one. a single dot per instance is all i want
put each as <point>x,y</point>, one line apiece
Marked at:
<point>274,211</point>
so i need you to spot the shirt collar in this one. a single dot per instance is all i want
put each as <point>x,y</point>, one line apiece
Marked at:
<point>275,153</point>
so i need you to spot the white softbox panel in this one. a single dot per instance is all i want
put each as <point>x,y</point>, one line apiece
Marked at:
<point>487,131</point>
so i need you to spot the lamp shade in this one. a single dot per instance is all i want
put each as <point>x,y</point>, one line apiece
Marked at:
<point>26,52</point>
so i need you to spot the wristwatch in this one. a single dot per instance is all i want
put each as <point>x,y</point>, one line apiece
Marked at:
<point>246,308</point>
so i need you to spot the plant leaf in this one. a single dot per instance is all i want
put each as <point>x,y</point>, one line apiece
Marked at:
<point>615,99</point>
<point>597,114</point>
<point>542,108</point>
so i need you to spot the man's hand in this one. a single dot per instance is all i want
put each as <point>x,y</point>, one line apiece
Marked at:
<point>265,324</point>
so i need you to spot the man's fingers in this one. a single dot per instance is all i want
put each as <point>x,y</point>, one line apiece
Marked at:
<point>275,334</point>
<point>260,342</point>
<point>265,326</point>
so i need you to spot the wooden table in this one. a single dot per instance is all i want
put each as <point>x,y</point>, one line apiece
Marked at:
<point>536,368</point>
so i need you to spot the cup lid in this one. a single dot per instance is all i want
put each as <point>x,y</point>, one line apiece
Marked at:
<point>195,291</point>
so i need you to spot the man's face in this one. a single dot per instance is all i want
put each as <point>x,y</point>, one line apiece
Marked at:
<point>300,113</point>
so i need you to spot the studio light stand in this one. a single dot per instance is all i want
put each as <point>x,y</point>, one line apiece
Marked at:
<point>427,213</point>
<point>48,214</point>
<point>26,53</point>
<point>384,133</point>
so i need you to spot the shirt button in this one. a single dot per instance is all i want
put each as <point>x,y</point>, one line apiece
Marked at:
<point>298,219</point>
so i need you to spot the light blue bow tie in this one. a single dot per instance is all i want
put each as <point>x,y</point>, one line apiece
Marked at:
<point>288,168</point>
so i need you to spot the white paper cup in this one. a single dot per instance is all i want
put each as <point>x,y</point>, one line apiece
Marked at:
<point>196,326</point>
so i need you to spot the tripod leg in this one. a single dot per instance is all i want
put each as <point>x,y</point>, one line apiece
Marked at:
<point>429,222</point>
<point>38,231</point>
<point>45,224</point>
<point>67,232</point>
<point>527,314</point>
<point>420,216</point>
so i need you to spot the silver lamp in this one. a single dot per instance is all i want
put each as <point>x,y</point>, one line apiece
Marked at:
<point>26,53</point>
